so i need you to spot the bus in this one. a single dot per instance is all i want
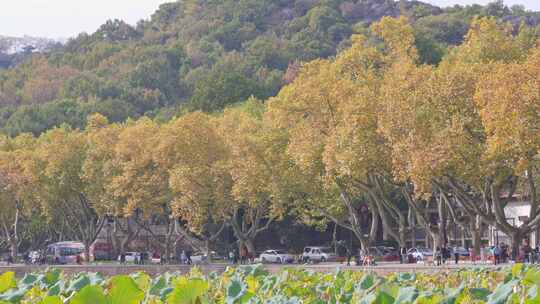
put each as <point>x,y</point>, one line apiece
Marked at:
<point>101,250</point>
<point>65,252</point>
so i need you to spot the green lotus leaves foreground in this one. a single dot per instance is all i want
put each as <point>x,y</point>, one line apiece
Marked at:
<point>252,285</point>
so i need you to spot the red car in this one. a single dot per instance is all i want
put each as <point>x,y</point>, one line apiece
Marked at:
<point>385,254</point>
<point>391,256</point>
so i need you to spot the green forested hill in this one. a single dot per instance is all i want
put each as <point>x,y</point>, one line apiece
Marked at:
<point>205,54</point>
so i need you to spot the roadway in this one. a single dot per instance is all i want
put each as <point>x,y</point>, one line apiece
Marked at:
<point>114,269</point>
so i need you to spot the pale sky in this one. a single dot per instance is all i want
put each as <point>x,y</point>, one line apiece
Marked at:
<point>529,4</point>
<point>67,18</point>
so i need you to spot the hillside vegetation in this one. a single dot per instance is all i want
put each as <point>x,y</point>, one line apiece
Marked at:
<point>206,54</point>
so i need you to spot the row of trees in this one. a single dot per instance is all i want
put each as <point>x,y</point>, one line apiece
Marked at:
<point>197,172</point>
<point>371,138</point>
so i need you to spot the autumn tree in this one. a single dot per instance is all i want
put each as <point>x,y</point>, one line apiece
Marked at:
<point>192,153</point>
<point>262,179</point>
<point>62,190</point>
<point>330,114</point>
<point>140,184</point>
<point>440,136</point>
<point>16,194</point>
<point>101,168</point>
<point>508,100</point>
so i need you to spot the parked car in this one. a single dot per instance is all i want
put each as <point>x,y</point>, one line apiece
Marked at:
<point>420,253</point>
<point>201,257</point>
<point>130,256</point>
<point>317,254</point>
<point>390,254</point>
<point>276,256</point>
<point>462,252</point>
<point>388,248</point>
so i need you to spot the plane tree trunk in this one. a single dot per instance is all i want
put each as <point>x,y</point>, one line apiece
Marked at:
<point>124,232</point>
<point>84,222</point>
<point>420,209</point>
<point>494,198</point>
<point>247,223</point>
<point>10,230</point>
<point>361,219</point>
<point>394,219</point>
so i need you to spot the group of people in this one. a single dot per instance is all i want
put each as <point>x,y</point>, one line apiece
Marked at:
<point>241,256</point>
<point>442,254</point>
<point>185,257</point>
<point>139,258</point>
<point>531,255</point>
<point>500,253</point>
<point>527,254</point>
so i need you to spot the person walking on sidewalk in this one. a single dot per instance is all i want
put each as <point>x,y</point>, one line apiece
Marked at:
<point>243,255</point>
<point>496,255</point>
<point>438,256</point>
<point>403,255</point>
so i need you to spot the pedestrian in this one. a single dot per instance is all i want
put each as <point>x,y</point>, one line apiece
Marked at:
<point>438,256</point>
<point>456,255</point>
<point>483,255</point>
<point>349,255</point>
<point>231,256</point>
<point>472,254</point>
<point>445,254</point>
<point>188,257</point>
<point>496,254</point>
<point>504,253</point>
<point>183,257</point>
<point>243,255</point>
<point>122,258</point>
<point>235,257</point>
<point>527,253</point>
<point>402,254</point>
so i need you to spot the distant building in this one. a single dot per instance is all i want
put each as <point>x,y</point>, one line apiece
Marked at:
<point>517,213</point>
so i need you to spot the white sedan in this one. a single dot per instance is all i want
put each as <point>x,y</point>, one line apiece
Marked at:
<point>419,253</point>
<point>202,258</point>
<point>276,256</point>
